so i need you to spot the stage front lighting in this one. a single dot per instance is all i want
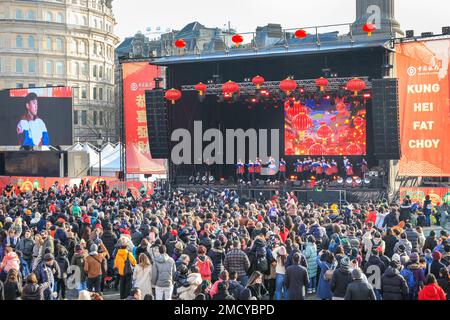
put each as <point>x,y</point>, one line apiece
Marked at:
<point>366,181</point>
<point>358,181</point>
<point>211,179</point>
<point>340,180</point>
<point>293,178</point>
<point>349,181</point>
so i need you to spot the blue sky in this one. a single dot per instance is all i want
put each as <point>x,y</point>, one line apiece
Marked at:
<point>246,15</point>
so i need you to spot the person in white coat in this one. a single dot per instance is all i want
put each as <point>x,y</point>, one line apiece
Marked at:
<point>142,275</point>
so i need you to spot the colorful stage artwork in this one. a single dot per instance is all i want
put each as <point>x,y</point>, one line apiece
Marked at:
<point>331,127</point>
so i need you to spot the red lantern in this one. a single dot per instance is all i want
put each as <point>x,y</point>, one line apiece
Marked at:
<point>302,122</point>
<point>369,28</point>
<point>317,149</point>
<point>180,43</point>
<point>290,152</point>
<point>258,81</point>
<point>237,39</point>
<point>300,34</point>
<point>324,131</point>
<point>173,95</point>
<point>358,122</point>
<point>297,109</point>
<point>288,86</point>
<point>201,88</point>
<point>230,87</point>
<point>356,85</point>
<point>322,83</point>
<point>353,149</point>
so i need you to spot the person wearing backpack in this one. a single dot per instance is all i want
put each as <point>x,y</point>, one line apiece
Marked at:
<point>95,267</point>
<point>418,275</point>
<point>327,265</point>
<point>163,272</point>
<point>204,263</point>
<point>124,263</point>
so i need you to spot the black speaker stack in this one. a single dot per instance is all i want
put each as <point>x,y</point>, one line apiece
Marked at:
<point>157,123</point>
<point>386,119</point>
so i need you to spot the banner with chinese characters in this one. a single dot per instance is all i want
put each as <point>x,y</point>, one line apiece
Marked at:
<point>423,74</point>
<point>137,78</point>
<point>417,195</point>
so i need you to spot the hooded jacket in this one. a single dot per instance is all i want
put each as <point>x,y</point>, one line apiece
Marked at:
<point>26,247</point>
<point>10,261</point>
<point>34,291</point>
<point>163,270</point>
<point>187,292</point>
<point>393,285</point>
<point>121,257</point>
<point>432,292</point>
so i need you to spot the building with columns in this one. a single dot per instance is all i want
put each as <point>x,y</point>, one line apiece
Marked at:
<point>64,43</point>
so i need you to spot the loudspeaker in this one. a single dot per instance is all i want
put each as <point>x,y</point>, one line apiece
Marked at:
<point>386,119</point>
<point>157,124</point>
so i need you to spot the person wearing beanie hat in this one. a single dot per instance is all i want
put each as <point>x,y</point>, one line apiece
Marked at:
<point>342,277</point>
<point>95,267</point>
<point>358,289</point>
<point>437,264</point>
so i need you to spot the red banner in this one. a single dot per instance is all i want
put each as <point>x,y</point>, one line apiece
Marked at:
<point>417,195</point>
<point>137,78</point>
<point>423,73</point>
<point>26,184</point>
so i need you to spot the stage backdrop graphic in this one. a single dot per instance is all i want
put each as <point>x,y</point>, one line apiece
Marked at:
<point>417,195</point>
<point>54,116</point>
<point>330,127</point>
<point>137,78</point>
<point>423,73</point>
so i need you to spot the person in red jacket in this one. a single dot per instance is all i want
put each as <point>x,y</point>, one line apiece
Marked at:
<point>431,291</point>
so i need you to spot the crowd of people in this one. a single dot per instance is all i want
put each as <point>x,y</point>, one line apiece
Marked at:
<point>92,240</point>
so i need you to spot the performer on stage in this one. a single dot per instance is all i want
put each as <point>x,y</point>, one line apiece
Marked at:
<point>349,168</point>
<point>282,170</point>
<point>258,165</point>
<point>240,170</point>
<point>298,168</point>
<point>328,169</point>
<point>334,167</point>
<point>251,171</point>
<point>307,168</point>
<point>272,166</point>
<point>364,167</point>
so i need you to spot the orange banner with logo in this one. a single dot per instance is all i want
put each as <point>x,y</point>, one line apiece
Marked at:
<point>417,195</point>
<point>423,74</point>
<point>137,78</point>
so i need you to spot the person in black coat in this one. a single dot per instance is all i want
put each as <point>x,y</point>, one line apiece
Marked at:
<point>391,219</point>
<point>359,289</point>
<point>2,294</point>
<point>12,286</point>
<point>390,240</point>
<point>430,242</point>
<point>217,256</point>
<point>342,277</point>
<point>436,265</point>
<point>393,285</point>
<point>296,279</point>
<point>222,292</point>
<point>444,281</point>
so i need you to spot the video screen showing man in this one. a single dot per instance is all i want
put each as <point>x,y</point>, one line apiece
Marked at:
<point>31,129</point>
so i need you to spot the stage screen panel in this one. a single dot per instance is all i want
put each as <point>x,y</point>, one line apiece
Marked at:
<point>36,117</point>
<point>325,127</point>
<point>424,93</point>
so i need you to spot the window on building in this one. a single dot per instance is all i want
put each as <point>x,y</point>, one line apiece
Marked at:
<point>76,92</point>
<point>19,41</point>
<point>49,85</point>
<point>85,21</point>
<point>84,69</point>
<point>100,118</point>
<point>94,93</point>
<point>19,65</point>
<point>74,46</point>
<point>49,16</point>
<point>19,85</point>
<point>32,66</point>
<point>100,72</point>
<point>83,92</point>
<point>95,118</point>
<point>48,43</point>
<point>32,85</point>
<point>59,44</point>
<point>95,24</point>
<point>94,71</point>
<point>93,4</point>
<point>59,18</point>
<point>95,48</point>
<point>19,14</point>
<point>49,67</point>
<point>76,69</point>
<point>59,68</point>
<point>31,15</point>
<point>75,19</point>
<point>75,117</point>
<point>100,93</point>
<point>31,43</point>
<point>84,117</point>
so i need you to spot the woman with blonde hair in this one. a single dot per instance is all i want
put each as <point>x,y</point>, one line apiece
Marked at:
<point>142,275</point>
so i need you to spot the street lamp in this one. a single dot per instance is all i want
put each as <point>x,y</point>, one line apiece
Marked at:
<point>100,146</point>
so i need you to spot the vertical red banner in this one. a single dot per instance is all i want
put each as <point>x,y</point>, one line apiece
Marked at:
<point>137,78</point>
<point>423,73</point>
